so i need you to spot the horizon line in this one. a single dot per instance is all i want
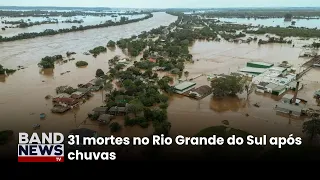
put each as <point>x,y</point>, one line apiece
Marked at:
<point>263,7</point>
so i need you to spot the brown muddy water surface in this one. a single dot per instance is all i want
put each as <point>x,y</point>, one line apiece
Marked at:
<point>22,95</point>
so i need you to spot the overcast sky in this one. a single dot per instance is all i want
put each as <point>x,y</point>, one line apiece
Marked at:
<point>164,3</point>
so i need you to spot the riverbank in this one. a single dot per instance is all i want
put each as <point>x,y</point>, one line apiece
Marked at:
<point>51,32</point>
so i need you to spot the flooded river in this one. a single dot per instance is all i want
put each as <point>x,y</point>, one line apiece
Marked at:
<point>87,21</point>
<point>309,23</point>
<point>22,95</point>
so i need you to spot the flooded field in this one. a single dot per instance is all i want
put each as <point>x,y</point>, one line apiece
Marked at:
<point>87,20</point>
<point>22,95</point>
<point>309,23</point>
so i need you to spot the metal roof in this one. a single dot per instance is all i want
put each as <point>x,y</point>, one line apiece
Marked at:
<point>290,107</point>
<point>288,96</point>
<point>261,63</point>
<point>253,70</point>
<point>184,85</point>
<point>279,88</point>
<point>271,86</point>
<point>280,69</point>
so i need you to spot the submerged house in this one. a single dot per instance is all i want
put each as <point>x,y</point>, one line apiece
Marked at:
<point>258,64</point>
<point>201,91</point>
<point>105,118</point>
<point>77,95</point>
<point>62,95</point>
<point>279,90</point>
<point>184,87</point>
<point>293,85</point>
<point>269,88</point>
<point>261,87</point>
<point>289,109</point>
<point>253,70</point>
<point>66,102</point>
<point>100,110</point>
<point>115,110</point>
<point>287,98</point>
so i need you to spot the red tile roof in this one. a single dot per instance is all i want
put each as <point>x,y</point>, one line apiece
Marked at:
<point>152,60</point>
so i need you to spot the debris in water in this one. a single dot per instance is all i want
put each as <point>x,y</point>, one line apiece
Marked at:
<point>42,115</point>
<point>48,97</point>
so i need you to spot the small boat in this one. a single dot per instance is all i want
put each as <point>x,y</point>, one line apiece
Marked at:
<point>42,115</point>
<point>36,126</point>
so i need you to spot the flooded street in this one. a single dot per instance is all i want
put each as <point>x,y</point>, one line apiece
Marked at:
<point>22,95</point>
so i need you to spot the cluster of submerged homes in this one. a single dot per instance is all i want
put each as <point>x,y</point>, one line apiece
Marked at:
<point>64,102</point>
<point>105,115</point>
<point>278,80</point>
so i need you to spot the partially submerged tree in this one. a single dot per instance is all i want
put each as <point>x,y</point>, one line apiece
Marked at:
<point>186,74</point>
<point>99,73</point>
<point>115,127</point>
<point>227,86</point>
<point>312,128</point>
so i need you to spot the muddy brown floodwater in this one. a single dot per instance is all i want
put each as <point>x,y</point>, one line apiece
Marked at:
<point>22,95</point>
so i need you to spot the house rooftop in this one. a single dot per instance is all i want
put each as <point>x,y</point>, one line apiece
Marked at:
<point>280,69</point>
<point>105,117</point>
<point>290,107</point>
<point>203,90</point>
<point>271,85</point>
<point>288,96</point>
<point>100,109</point>
<point>63,95</point>
<point>263,84</point>
<point>77,93</point>
<point>279,88</point>
<point>184,85</point>
<point>118,109</point>
<point>253,70</point>
<point>261,63</point>
<point>83,90</point>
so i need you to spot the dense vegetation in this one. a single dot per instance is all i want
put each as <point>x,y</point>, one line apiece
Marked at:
<point>44,13</point>
<point>4,70</point>
<point>111,44</point>
<point>49,32</point>
<point>49,61</point>
<point>97,50</point>
<point>287,32</point>
<point>24,24</point>
<point>227,86</point>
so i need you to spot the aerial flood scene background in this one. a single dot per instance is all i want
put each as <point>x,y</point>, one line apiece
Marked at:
<point>138,72</point>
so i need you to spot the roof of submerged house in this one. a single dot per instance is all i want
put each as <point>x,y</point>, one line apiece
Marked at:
<point>184,85</point>
<point>290,107</point>
<point>100,109</point>
<point>263,84</point>
<point>271,86</point>
<point>253,70</point>
<point>261,63</point>
<point>288,96</point>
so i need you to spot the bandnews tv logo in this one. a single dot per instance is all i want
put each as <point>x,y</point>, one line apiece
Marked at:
<point>48,147</point>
